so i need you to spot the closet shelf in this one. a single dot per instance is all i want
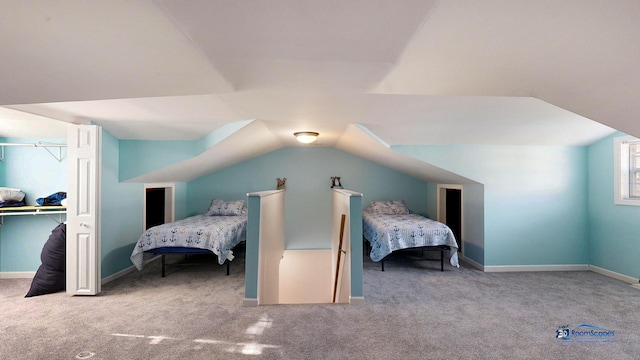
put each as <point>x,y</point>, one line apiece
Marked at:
<point>44,145</point>
<point>32,210</point>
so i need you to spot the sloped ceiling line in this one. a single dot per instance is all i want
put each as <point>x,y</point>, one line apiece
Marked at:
<point>448,72</point>
<point>248,141</point>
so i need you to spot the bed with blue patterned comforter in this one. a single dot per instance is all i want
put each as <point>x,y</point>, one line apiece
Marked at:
<point>218,234</point>
<point>391,232</point>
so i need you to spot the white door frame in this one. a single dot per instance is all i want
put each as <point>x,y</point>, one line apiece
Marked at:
<point>441,199</point>
<point>169,202</point>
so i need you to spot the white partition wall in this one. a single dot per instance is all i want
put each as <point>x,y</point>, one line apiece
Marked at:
<point>271,246</point>
<point>275,275</point>
<point>265,247</point>
<point>305,276</point>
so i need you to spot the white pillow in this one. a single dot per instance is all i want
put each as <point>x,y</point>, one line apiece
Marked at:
<point>10,194</point>
<point>388,207</point>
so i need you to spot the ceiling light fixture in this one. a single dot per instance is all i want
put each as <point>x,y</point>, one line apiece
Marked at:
<point>306,137</point>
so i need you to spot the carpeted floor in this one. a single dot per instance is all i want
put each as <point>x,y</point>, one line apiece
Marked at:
<point>411,311</point>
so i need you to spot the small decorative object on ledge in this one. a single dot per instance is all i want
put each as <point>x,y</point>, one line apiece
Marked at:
<point>335,182</point>
<point>281,184</point>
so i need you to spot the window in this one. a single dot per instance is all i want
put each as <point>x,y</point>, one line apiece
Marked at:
<point>634,170</point>
<point>627,170</point>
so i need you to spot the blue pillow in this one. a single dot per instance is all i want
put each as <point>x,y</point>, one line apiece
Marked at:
<point>52,200</point>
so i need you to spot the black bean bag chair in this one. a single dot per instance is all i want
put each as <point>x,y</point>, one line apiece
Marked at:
<point>51,275</point>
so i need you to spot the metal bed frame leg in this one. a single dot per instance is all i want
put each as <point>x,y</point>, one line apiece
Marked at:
<point>442,250</point>
<point>164,265</point>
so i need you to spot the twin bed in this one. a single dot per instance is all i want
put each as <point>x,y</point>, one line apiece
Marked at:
<point>389,226</point>
<point>218,231</point>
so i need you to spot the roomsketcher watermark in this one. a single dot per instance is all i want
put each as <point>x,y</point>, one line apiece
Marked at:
<point>584,333</point>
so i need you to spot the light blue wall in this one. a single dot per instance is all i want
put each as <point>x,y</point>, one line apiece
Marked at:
<point>556,209</point>
<point>138,157</point>
<point>308,200</point>
<point>355,232</point>
<point>252,252</point>
<point>614,229</point>
<point>122,203</point>
<point>121,211</point>
<point>535,203</point>
<point>38,174</point>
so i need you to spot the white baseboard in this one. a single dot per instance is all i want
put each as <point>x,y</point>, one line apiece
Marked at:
<point>356,300</point>
<point>471,262</point>
<point>250,302</point>
<point>520,268</point>
<point>124,272</point>
<point>118,275</point>
<point>577,267</point>
<point>17,275</point>
<point>613,274</point>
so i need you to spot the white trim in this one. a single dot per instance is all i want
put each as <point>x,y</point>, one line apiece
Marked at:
<point>356,300</point>
<point>128,270</point>
<point>621,172</point>
<point>520,268</point>
<point>17,275</point>
<point>613,274</point>
<point>118,275</point>
<point>250,302</point>
<point>264,193</point>
<point>348,192</point>
<point>471,262</point>
<point>441,205</point>
<point>534,268</point>
<point>170,202</point>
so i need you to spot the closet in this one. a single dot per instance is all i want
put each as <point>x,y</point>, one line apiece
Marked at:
<point>38,169</point>
<point>79,174</point>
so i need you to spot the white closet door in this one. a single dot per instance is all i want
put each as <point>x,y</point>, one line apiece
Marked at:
<point>83,209</point>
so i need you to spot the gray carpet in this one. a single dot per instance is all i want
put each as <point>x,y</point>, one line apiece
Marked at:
<point>411,311</point>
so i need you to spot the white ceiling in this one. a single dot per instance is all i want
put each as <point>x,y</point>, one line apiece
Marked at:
<point>498,72</point>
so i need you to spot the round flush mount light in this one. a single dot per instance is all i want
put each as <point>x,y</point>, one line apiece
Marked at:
<point>306,137</point>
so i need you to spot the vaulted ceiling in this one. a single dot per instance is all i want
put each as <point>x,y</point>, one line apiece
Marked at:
<point>365,74</point>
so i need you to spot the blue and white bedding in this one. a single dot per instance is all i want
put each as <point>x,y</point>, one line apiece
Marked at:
<point>390,232</point>
<point>219,234</point>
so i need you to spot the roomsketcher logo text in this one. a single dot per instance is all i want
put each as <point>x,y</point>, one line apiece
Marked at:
<point>584,333</point>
